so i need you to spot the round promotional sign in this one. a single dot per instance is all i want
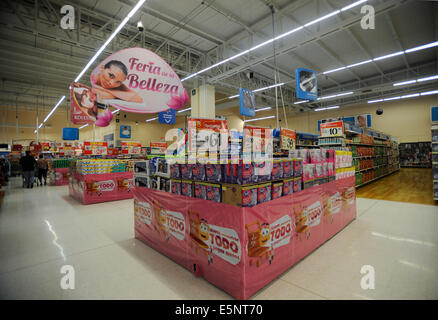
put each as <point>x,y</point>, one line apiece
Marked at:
<point>138,80</point>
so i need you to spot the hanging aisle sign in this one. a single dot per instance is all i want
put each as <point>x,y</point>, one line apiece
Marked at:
<point>332,129</point>
<point>306,84</point>
<point>95,148</point>
<point>167,117</point>
<point>288,139</point>
<point>247,103</point>
<point>138,80</point>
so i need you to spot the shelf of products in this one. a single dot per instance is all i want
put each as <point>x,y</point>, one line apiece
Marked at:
<point>415,155</point>
<point>434,133</point>
<point>306,140</point>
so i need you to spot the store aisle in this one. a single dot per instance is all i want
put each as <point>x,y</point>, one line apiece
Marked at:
<point>97,240</point>
<point>407,185</point>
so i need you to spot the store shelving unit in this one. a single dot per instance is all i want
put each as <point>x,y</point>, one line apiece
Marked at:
<point>434,146</point>
<point>415,154</point>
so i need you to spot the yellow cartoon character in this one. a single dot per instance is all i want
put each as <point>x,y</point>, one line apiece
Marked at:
<point>301,222</point>
<point>204,235</point>
<point>161,220</point>
<point>259,243</point>
<point>200,235</point>
<point>326,209</point>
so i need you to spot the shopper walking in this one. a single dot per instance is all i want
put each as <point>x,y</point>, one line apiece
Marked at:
<point>43,166</point>
<point>28,168</point>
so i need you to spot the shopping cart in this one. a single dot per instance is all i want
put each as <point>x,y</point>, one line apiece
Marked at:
<point>199,235</point>
<point>258,244</point>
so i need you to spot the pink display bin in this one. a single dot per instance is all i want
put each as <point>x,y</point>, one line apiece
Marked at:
<point>95,188</point>
<point>241,250</point>
<point>62,176</point>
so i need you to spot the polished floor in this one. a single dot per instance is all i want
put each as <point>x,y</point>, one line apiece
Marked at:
<point>42,229</point>
<point>407,185</point>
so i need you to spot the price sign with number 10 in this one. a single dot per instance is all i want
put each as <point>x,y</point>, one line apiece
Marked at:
<point>332,129</point>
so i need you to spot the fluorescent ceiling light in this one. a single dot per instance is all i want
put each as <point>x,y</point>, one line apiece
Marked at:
<point>424,46</point>
<point>54,108</point>
<point>40,125</point>
<point>269,87</point>
<point>326,108</point>
<point>117,110</point>
<point>334,70</point>
<point>152,119</point>
<point>388,56</point>
<point>404,82</point>
<point>263,109</point>
<point>121,25</point>
<point>299,102</point>
<point>257,119</point>
<point>428,78</point>
<point>393,98</point>
<point>410,95</point>
<point>429,92</point>
<point>374,101</point>
<point>353,5</point>
<point>322,18</point>
<point>335,95</point>
<point>273,39</point>
<point>183,110</point>
<point>232,97</point>
<point>359,63</point>
<point>85,125</point>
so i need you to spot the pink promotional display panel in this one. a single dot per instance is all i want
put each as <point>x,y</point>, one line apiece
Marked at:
<point>95,188</point>
<point>241,250</point>
<point>62,176</point>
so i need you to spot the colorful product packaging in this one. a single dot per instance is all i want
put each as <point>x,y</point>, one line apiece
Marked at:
<point>298,167</point>
<point>277,169</point>
<point>200,191</point>
<point>186,170</point>
<point>249,196</point>
<point>297,185</point>
<point>142,182</point>
<point>213,192</point>
<point>262,171</point>
<point>175,186</point>
<point>198,171</point>
<point>174,171</point>
<point>263,192</point>
<point>309,171</point>
<point>287,186</point>
<point>245,173</point>
<point>288,170</point>
<point>277,190</point>
<point>213,172</point>
<point>186,188</point>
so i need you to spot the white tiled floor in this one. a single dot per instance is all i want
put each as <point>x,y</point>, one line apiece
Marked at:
<point>42,229</point>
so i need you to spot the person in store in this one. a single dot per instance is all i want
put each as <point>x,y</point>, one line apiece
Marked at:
<point>28,164</point>
<point>42,169</point>
<point>108,83</point>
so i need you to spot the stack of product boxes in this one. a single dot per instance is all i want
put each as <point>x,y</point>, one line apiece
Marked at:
<point>153,173</point>
<point>98,166</point>
<point>318,166</point>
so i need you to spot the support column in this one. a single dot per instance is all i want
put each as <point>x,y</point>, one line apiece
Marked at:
<point>203,102</point>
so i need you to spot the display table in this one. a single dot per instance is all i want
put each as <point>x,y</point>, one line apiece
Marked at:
<point>62,176</point>
<point>241,250</point>
<point>95,188</point>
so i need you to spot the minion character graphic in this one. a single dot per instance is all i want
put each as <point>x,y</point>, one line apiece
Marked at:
<point>204,235</point>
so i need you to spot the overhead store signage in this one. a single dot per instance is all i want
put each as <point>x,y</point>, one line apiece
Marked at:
<point>138,80</point>
<point>167,117</point>
<point>83,105</point>
<point>362,120</point>
<point>332,129</point>
<point>125,132</point>
<point>131,147</point>
<point>288,139</point>
<point>306,84</point>
<point>207,131</point>
<point>247,103</point>
<point>257,139</point>
<point>95,148</point>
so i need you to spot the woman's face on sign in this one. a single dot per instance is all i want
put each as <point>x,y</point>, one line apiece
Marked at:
<point>112,77</point>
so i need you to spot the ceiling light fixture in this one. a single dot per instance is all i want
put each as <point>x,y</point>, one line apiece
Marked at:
<point>85,125</point>
<point>117,110</point>
<point>51,112</point>
<point>263,109</point>
<point>152,119</point>
<point>415,81</point>
<point>257,119</point>
<point>326,108</point>
<point>121,25</point>
<point>183,110</point>
<point>273,39</point>
<point>299,102</point>
<point>412,95</point>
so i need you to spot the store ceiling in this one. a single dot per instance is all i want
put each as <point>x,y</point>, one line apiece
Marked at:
<point>38,59</point>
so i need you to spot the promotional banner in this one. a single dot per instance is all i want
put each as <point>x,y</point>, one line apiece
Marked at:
<point>332,129</point>
<point>131,147</point>
<point>84,108</point>
<point>257,139</point>
<point>95,148</point>
<point>167,117</point>
<point>158,147</point>
<point>125,132</point>
<point>138,80</point>
<point>306,84</point>
<point>288,139</point>
<point>247,103</point>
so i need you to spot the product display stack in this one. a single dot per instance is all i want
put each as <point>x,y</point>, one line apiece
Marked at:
<point>240,223</point>
<point>101,180</point>
<point>153,173</point>
<point>58,173</point>
<point>415,155</point>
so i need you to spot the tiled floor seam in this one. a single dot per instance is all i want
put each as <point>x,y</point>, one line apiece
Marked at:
<point>312,292</point>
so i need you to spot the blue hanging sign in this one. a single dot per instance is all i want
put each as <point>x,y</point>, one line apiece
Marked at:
<point>167,117</point>
<point>306,84</point>
<point>247,103</point>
